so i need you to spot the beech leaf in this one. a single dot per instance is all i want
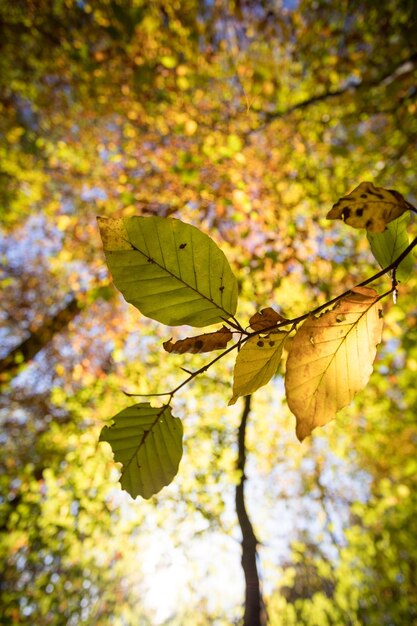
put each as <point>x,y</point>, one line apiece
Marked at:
<point>169,270</point>
<point>387,246</point>
<point>256,363</point>
<point>265,319</point>
<point>147,441</point>
<point>369,207</point>
<point>201,343</point>
<point>331,359</point>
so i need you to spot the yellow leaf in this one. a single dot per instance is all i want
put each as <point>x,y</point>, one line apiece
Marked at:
<point>200,343</point>
<point>256,363</point>
<point>331,359</point>
<point>114,234</point>
<point>369,207</point>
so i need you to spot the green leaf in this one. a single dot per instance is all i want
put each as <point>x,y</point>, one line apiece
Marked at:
<point>170,271</point>
<point>256,363</point>
<point>147,441</point>
<point>387,246</point>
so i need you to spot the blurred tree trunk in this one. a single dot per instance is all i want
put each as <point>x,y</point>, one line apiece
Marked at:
<point>27,349</point>
<point>254,614</point>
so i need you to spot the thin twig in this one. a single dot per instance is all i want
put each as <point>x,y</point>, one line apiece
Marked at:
<point>390,73</point>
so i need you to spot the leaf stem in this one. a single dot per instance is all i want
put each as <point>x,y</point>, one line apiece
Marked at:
<point>346,293</point>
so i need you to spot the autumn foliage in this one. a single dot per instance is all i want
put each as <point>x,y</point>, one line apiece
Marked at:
<point>213,138</point>
<point>175,274</point>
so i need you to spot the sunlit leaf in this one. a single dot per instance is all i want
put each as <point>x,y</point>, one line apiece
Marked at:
<point>147,441</point>
<point>331,359</point>
<point>201,343</point>
<point>256,363</point>
<point>169,270</point>
<point>369,207</point>
<point>388,246</point>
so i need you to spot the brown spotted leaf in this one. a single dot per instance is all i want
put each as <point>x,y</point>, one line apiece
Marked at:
<point>370,207</point>
<point>265,319</point>
<point>201,343</point>
<point>331,359</point>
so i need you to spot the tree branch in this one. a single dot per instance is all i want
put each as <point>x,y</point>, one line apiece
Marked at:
<point>27,349</point>
<point>391,73</point>
<point>287,322</point>
<point>254,613</point>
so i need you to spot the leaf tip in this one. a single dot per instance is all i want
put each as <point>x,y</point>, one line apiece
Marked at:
<point>302,432</point>
<point>113,233</point>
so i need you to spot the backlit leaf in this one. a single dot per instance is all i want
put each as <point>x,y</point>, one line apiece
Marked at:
<point>201,343</point>
<point>256,363</point>
<point>369,207</point>
<point>388,246</point>
<point>170,271</point>
<point>331,359</point>
<point>147,441</point>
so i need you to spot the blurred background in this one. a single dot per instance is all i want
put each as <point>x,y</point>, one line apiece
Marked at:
<point>249,120</point>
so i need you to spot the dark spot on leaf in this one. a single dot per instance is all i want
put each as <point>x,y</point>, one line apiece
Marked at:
<point>150,260</point>
<point>368,224</point>
<point>398,197</point>
<point>364,195</point>
<point>182,246</point>
<point>345,214</point>
<point>199,344</point>
<point>376,194</point>
<point>221,289</point>
<point>260,344</point>
<point>272,343</point>
<point>380,314</point>
<point>359,212</point>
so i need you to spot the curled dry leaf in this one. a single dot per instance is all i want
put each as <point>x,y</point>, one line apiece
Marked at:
<point>369,207</point>
<point>201,343</point>
<point>265,319</point>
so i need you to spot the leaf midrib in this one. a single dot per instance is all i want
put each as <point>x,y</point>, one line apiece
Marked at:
<point>181,280</point>
<point>333,356</point>
<point>143,440</point>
